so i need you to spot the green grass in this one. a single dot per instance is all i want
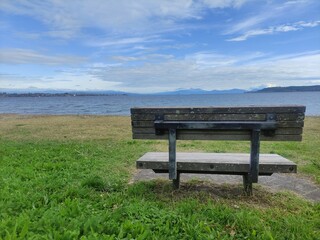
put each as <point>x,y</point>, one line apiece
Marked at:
<point>54,188</point>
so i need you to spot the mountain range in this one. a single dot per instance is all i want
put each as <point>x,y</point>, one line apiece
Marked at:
<point>314,88</point>
<point>191,91</point>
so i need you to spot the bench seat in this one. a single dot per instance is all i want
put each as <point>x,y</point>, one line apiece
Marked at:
<point>216,163</point>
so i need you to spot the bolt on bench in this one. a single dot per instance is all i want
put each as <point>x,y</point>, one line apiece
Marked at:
<point>251,123</point>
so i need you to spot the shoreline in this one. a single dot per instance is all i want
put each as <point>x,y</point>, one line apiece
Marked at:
<point>88,115</point>
<point>120,105</point>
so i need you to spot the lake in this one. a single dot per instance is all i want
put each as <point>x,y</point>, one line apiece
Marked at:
<point>121,104</point>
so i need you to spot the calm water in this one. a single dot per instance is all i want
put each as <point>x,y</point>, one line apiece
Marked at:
<point>120,105</point>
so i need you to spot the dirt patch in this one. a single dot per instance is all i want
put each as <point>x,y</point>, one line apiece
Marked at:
<point>229,186</point>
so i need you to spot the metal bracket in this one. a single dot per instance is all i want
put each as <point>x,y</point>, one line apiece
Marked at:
<point>271,117</point>
<point>159,117</point>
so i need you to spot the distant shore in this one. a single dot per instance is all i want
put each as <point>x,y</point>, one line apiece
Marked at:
<point>315,88</point>
<point>191,91</point>
<point>55,94</point>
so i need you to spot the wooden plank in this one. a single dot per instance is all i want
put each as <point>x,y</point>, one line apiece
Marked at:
<point>202,117</point>
<point>244,109</point>
<point>290,117</point>
<point>215,117</point>
<point>218,137</point>
<point>215,125</point>
<point>228,163</point>
<point>142,124</point>
<point>143,117</point>
<point>280,131</point>
<point>281,124</point>
<point>298,117</point>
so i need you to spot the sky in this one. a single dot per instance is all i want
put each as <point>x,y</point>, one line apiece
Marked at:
<point>148,46</point>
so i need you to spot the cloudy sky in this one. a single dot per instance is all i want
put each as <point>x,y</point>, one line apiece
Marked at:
<point>147,46</point>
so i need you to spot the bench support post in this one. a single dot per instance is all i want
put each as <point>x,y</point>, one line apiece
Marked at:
<point>247,184</point>
<point>252,176</point>
<point>176,182</point>
<point>254,155</point>
<point>172,154</point>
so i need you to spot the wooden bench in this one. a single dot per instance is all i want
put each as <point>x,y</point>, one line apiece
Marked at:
<point>251,123</point>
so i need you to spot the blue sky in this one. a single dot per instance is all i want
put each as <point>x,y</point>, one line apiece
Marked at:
<point>147,46</point>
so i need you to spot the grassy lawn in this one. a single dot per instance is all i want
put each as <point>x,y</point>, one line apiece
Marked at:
<point>67,177</point>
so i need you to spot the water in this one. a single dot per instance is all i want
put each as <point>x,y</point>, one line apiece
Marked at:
<point>120,105</point>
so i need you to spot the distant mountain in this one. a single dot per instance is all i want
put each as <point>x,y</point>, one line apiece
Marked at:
<point>59,91</point>
<point>191,91</point>
<point>198,91</point>
<point>314,88</point>
<point>47,93</point>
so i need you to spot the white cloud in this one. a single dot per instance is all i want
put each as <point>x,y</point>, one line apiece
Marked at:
<point>62,81</point>
<point>250,22</point>
<point>251,33</point>
<point>150,58</point>
<point>309,24</point>
<point>124,42</point>
<point>274,11</point>
<point>276,29</point>
<point>224,3</point>
<point>66,19</point>
<point>207,59</point>
<point>27,56</point>
<point>220,72</point>
<point>294,2</point>
<point>200,70</point>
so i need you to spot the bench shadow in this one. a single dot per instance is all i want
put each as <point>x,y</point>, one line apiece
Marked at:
<point>204,191</point>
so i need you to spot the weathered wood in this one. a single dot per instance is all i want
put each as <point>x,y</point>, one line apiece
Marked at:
<point>289,120</point>
<point>247,109</point>
<point>222,163</point>
<point>190,136</point>
<point>219,117</point>
<point>216,125</point>
<point>281,124</point>
<point>215,117</point>
<point>279,131</point>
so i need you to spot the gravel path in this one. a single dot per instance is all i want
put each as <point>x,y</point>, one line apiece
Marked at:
<point>274,183</point>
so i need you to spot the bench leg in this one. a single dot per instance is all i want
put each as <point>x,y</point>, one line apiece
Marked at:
<point>252,176</point>
<point>172,154</point>
<point>176,182</point>
<point>247,184</point>
<point>254,155</point>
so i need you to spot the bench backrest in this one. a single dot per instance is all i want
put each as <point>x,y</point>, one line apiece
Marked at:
<point>289,120</point>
